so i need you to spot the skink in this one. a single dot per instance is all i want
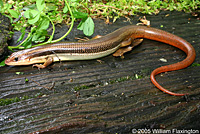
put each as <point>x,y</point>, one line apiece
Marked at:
<point>100,47</point>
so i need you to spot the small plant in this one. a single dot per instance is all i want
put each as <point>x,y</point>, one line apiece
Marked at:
<point>37,18</point>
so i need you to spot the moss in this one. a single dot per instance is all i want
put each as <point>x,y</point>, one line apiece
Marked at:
<point>117,80</point>
<point>8,101</point>
<point>195,65</point>
<point>126,78</point>
<point>83,87</point>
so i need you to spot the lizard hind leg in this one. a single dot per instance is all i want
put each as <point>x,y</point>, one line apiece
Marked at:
<point>127,46</point>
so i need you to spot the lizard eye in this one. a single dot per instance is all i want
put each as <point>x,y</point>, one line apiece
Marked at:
<point>16,58</point>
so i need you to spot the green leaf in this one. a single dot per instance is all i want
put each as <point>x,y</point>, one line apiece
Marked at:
<point>14,13</point>
<point>28,42</point>
<point>65,9</point>
<point>27,14</point>
<point>22,35</point>
<point>39,36</point>
<point>1,3</point>
<point>29,7</point>
<point>2,63</point>
<point>51,7</point>
<point>44,24</point>
<point>81,25</point>
<point>40,4</point>
<point>31,13</point>
<point>35,19</point>
<point>80,15</point>
<point>40,39</point>
<point>88,28</point>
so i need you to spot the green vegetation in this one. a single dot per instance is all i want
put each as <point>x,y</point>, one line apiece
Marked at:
<point>117,80</point>
<point>18,73</point>
<point>2,63</point>
<point>195,65</point>
<point>126,78</point>
<point>8,101</point>
<point>35,16</point>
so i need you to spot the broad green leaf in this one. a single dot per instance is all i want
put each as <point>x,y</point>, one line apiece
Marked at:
<point>81,25</point>
<point>29,7</point>
<point>34,20</point>
<point>44,24</point>
<point>40,4</point>
<point>1,3</point>
<point>14,13</point>
<point>39,36</point>
<point>30,13</point>
<point>65,9</point>
<point>51,6</point>
<point>80,15</point>
<point>40,39</point>
<point>33,13</point>
<point>27,14</point>
<point>88,28</point>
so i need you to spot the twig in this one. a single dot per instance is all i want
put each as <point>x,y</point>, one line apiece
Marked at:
<point>48,88</point>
